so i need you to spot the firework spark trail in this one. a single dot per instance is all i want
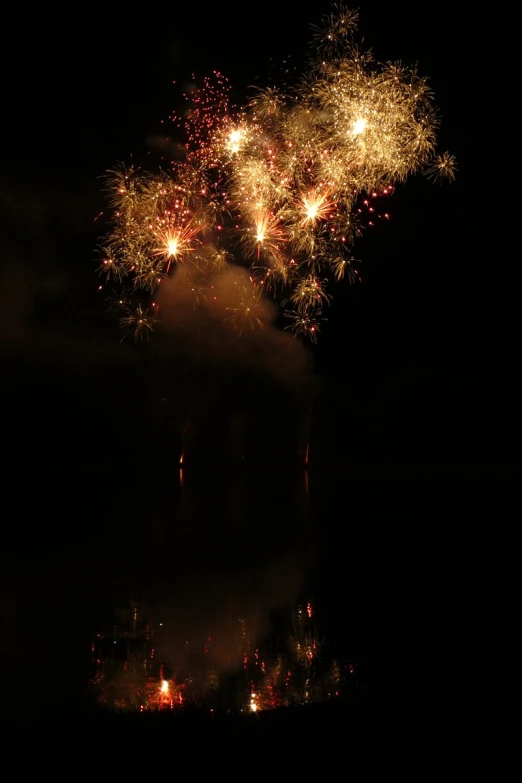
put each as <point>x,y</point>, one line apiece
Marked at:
<point>278,186</point>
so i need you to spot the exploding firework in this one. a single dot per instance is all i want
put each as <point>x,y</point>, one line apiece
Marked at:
<point>277,186</point>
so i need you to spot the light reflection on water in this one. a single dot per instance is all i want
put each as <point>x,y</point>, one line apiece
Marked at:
<point>239,666</point>
<point>226,582</point>
<point>377,559</point>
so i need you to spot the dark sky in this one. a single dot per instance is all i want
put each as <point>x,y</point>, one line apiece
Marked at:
<point>417,364</point>
<point>423,345</point>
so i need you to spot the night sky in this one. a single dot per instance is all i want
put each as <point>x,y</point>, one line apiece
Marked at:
<point>416,365</point>
<point>418,358</point>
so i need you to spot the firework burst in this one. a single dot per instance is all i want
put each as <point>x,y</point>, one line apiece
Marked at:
<point>280,186</point>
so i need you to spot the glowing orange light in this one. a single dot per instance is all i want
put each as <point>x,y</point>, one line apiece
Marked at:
<point>359,126</point>
<point>172,246</point>
<point>314,206</point>
<point>234,140</point>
